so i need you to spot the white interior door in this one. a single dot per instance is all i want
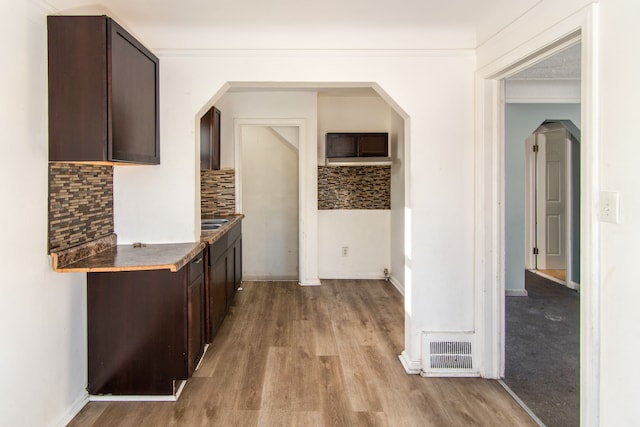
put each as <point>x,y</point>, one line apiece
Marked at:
<point>551,200</point>
<point>269,178</point>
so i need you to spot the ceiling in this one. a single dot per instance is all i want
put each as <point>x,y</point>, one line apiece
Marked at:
<point>347,18</point>
<point>282,24</point>
<point>564,65</point>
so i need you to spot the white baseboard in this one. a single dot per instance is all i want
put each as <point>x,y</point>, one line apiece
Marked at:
<point>397,285</point>
<point>358,276</point>
<point>137,398</point>
<point>516,293</point>
<point>573,285</point>
<point>72,411</point>
<point>411,367</point>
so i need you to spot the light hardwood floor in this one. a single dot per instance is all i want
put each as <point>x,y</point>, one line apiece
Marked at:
<point>315,356</point>
<point>558,274</point>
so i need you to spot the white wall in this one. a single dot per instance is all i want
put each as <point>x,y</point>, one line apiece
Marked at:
<point>398,188</point>
<point>365,232</point>
<point>619,153</point>
<point>366,235</point>
<point>520,122</point>
<point>261,104</point>
<point>43,361</point>
<point>607,340</point>
<point>350,114</point>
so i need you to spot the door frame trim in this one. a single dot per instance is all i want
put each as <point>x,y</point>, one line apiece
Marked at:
<point>307,190</point>
<point>490,199</point>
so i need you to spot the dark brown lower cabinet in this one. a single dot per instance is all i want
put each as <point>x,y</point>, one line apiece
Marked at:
<point>238,262</point>
<point>145,329</point>
<point>217,293</point>
<point>196,313</point>
<point>225,275</point>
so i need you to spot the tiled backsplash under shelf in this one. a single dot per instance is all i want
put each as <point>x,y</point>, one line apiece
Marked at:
<point>80,204</point>
<point>217,193</point>
<point>354,187</point>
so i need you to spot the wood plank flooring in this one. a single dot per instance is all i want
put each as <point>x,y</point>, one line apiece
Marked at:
<point>557,274</point>
<point>315,356</point>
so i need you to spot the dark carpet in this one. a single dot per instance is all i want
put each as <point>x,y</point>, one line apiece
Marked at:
<point>542,350</point>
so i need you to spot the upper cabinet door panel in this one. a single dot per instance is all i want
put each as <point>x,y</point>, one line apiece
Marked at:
<point>103,93</point>
<point>134,100</point>
<point>373,145</point>
<point>205,141</point>
<point>77,88</point>
<point>341,145</point>
<point>357,145</point>
<point>210,140</point>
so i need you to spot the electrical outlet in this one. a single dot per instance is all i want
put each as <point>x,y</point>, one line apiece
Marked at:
<point>610,207</point>
<point>345,251</point>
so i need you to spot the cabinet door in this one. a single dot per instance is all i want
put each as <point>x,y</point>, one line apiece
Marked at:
<point>206,141</point>
<point>218,297</point>
<point>210,140</point>
<point>373,145</point>
<point>103,93</point>
<point>136,325</point>
<point>134,100</point>
<point>195,322</point>
<point>215,149</point>
<point>77,88</point>
<point>238,263</point>
<point>231,283</point>
<point>341,145</point>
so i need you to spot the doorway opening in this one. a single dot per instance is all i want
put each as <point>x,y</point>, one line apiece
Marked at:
<point>552,200</point>
<point>268,167</point>
<point>542,237</point>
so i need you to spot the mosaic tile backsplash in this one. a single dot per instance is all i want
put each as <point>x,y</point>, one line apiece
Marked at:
<point>354,187</point>
<point>80,204</point>
<point>217,193</point>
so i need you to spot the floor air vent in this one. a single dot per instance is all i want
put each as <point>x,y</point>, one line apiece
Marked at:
<point>448,354</point>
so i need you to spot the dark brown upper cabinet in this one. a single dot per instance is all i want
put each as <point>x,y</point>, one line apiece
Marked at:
<point>103,93</point>
<point>357,145</point>
<point>210,140</point>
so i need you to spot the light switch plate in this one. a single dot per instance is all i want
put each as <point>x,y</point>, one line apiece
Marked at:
<point>610,207</point>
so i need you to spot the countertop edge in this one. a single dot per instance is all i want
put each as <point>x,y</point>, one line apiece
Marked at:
<point>110,268</point>
<point>63,259</point>
<point>187,259</point>
<point>210,237</point>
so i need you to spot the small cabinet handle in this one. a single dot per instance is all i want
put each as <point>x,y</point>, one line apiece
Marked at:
<point>198,261</point>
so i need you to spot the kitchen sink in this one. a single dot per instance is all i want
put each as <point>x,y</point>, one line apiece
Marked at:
<point>213,223</point>
<point>209,227</point>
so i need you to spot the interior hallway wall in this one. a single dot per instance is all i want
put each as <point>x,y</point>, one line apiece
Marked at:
<point>365,232</point>
<point>43,360</point>
<point>398,255</point>
<point>521,121</point>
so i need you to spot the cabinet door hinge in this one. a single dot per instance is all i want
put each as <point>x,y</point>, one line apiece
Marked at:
<point>535,148</point>
<point>535,251</point>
